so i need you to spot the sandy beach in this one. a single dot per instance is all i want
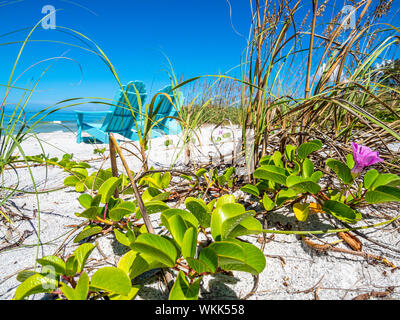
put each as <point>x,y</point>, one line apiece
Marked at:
<point>293,270</point>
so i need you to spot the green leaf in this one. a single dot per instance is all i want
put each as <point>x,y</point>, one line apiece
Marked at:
<point>316,176</point>
<point>80,187</point>
<point>90,213</point>
<point>236,255</point>
<point>268,203</point>
<point>341,170</point>
<point>122,238</point>
<point>307,148</point>
<point>277,159</point>
<point>122,209</point>
<point>68,292</point>
<point>156,246</point>
<point>111,279</point>
<point>126,261</point>
<point>71,266</point>
<point>201,172</point>
<point>107,189</point>
<point>341,211</point>
<point>25,274</point>
<point>301,211</point>
<point>82,165</point>
<point>53,261</point>
<point>249,225</point>
<point>81,173</point>
<point>227,198</point>
<point>82,253</point>
<point>88,232</point>
<point>266,160</point>
<point>182,290</point>
<point>388,179</point>
<point>211,204</point>
<point>96,201</point>
<point>85,200</point>
<point>221,180</point>
<point>150,193</point>
<point>229,172</point>
<point>177,228</point>
<point>290,151</point>
<point>383,194</point>
<point>207,262</point>
<point>162,196</point>
<point>93,182</point>
<point>296,170</point>
<point>165,180</point>
<point>82,287</point>
<point>71,181</point>
<point>189,243</point>
<point>350,161</point>
<point>209,257</point>
<point>81,290</point>
<point>199,209</point>
<point>370,177</point>
<point>153,181</point>
<point>272,173</point>
<point>225,218</point>
<point>308,168</point>
<point>36,283</point>
<point>303,184</point>
<point>152,207</point>
<point>285,195</point>
<point>235,225</point>
<point>131,296</point>
<point>143,263</point>
<point>189,218</point>
<point>249,188</point>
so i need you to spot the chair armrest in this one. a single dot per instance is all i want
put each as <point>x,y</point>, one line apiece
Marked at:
<point>93,112</point>
<point>80,114</point>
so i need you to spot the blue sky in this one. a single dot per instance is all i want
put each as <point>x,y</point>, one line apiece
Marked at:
<point>199,37</point>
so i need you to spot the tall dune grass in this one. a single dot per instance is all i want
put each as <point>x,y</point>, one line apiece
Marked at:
<point>295,77</point>
<point>335,71</point>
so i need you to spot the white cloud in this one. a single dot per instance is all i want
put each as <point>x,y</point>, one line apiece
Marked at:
<point>383,64</point>
<point>333,76</point>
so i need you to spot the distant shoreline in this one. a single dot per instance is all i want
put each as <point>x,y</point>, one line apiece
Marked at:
<point>57,121</point>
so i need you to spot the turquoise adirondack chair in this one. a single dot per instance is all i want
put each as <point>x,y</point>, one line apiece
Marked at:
<point>164,125</point>
<point>118,119</point>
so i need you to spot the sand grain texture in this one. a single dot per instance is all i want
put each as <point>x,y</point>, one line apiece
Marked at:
<point>293,269</point>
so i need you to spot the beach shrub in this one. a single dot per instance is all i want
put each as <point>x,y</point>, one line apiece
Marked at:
<point>291,178</point>
<point>181,250</point>
<point>214,178</point>
<point>58,276</point>
<point>203,238</point>
<point>102,207</point>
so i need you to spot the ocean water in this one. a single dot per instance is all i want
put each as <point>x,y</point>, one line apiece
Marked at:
<point>57,121</point>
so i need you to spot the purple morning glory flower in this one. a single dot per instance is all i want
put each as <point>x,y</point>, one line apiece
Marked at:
<point>363,157</point>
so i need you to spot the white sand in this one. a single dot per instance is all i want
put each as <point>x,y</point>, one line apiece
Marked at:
<point>292,267</point>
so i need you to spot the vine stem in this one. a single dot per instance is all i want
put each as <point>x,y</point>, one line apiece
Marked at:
<point>145,216</point>
<point>142,208</point>
<point>329,230</point>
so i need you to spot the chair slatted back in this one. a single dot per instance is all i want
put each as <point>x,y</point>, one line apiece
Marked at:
<point>165,106</point>
<point>121,120</point>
